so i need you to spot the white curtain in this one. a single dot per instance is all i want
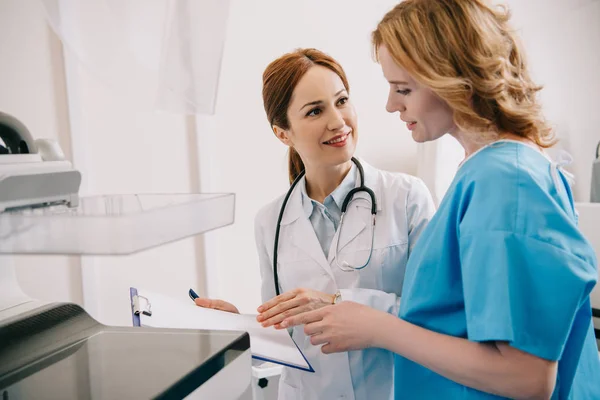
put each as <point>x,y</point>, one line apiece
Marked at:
<point>173,47</point>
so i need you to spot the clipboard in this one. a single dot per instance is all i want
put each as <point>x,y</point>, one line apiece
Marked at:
<point>151,309</point>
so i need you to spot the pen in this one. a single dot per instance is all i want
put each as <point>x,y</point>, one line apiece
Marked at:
<point>193,294</point>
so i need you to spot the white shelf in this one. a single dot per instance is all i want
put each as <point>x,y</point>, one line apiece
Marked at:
<point>114,224</point>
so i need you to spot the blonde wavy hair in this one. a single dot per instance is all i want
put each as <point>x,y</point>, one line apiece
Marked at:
<point>465,52</point>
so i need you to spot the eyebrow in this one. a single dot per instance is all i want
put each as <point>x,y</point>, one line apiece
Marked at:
<point>314,103</point>
<point>398,82</point>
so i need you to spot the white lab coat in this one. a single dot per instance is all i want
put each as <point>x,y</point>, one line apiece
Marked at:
<point>404,207</point>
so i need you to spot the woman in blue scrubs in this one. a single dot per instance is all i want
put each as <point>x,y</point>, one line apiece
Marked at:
<point>496,295</point>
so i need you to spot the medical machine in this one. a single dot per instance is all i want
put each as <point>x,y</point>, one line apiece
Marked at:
<point>57,350</point>
<point>589,223</point>
<point>595,191</point>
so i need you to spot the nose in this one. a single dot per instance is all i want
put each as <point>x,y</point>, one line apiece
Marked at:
<point>336,120</point>
<point>394,104</point>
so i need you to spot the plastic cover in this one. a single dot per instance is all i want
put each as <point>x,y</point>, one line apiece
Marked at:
<point>114,224</point>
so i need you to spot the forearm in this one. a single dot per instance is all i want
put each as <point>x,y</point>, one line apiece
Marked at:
<point>477,365</point>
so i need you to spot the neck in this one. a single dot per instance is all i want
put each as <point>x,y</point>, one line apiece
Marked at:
<point>321,181</point>
<point>470,145</point>
<point>466,141</point>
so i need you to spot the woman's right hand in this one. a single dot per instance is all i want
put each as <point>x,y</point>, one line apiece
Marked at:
<point>216,304</point>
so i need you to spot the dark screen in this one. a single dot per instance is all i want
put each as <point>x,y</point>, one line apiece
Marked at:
<point>127,365</point>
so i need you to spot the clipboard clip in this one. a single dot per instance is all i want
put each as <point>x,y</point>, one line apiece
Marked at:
<point>141,305</point>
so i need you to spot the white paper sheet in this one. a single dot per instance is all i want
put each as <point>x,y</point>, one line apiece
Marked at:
<point>265,343</point>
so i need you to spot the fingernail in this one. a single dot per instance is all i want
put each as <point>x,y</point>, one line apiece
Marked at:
<point>284,324</point>
<point>260,318</point>
<point>260,309</point>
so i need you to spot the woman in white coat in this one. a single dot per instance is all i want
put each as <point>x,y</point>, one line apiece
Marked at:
<point>306,98</point>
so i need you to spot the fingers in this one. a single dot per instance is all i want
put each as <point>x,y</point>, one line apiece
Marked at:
<point>277,299</point>
<point>319,339</point>
<point>225,306</point>
<point>314,328</point>
<point>282,311</point>
<point>277,319</point>
<point>327,349</point>
<point>216,304</point>
<point>305,318</point>
<point>206,303</point>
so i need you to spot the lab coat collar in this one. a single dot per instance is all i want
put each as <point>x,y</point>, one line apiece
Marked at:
<point>353,226</point>
<point>338,195</point>
<point>295,208</point>
<point>348,183</point>
<point>373,182</point>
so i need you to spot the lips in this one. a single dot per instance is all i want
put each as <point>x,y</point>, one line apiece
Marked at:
<point>338,138</point>
<point>409,124</point>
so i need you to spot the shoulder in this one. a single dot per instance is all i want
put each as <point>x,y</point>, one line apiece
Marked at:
<point>400,185</point>
<point>502,174</point>
<point>392,180</point>
<point>498,167</point>
<point>493,169</point>
<point>510,187</point>
<point>268,214</point>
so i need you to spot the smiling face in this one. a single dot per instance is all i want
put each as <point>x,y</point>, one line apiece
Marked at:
<point>322,120</point>
<point>426,115</point>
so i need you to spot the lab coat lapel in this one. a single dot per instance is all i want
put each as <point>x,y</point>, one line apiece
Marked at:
<point>351,227</point>
<point>304,237</point>
<point>358,215</point>
<point>302,234</point>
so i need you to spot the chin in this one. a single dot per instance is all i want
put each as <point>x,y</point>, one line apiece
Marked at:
<point>344,157</point>
<point>419,138</point>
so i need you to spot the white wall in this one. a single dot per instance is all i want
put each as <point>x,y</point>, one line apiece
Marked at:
<point>561,37</point>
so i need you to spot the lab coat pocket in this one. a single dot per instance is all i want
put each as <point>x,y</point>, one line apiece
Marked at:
<point>385,270</point>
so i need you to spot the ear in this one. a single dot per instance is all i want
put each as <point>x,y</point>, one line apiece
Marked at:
<point>282,135</point>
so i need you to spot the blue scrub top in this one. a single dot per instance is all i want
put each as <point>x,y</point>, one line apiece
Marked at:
<point>503,260</point>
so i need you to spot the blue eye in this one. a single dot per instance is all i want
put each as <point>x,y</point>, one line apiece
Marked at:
<point>314,111</point>
<point>404,92</point>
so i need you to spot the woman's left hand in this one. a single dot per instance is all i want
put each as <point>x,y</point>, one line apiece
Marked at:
<point>342,327</point>
<point>291,303</point>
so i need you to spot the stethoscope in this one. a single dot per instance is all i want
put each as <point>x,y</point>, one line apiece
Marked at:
<point>344,266</point>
